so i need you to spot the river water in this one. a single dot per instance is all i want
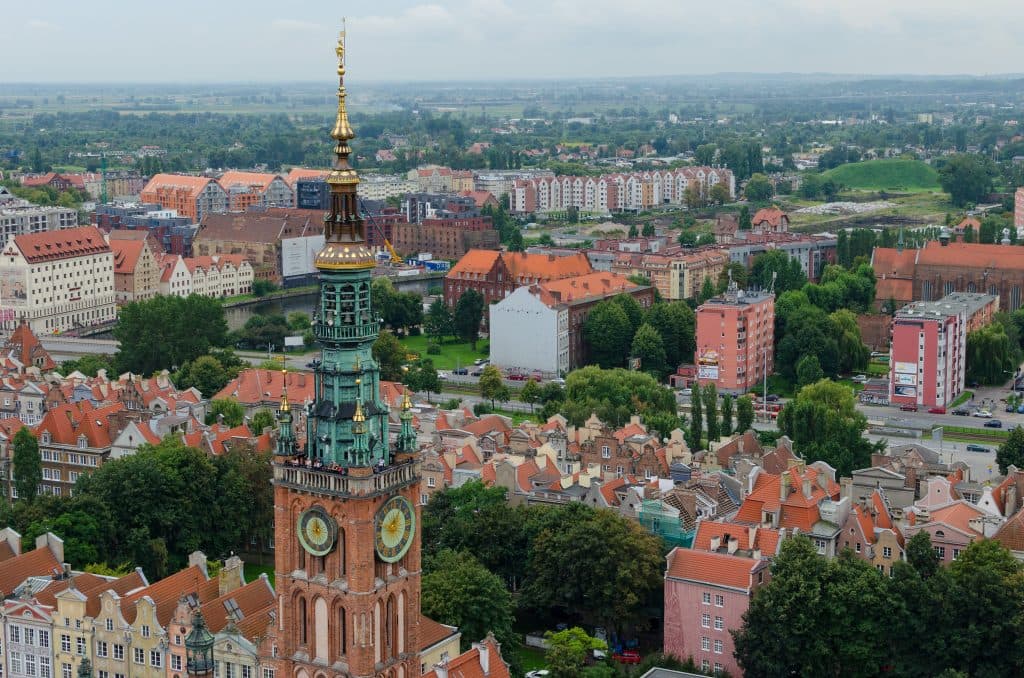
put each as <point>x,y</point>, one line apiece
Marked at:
<point>238,315</point>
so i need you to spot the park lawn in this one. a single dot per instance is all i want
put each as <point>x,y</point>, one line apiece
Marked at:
<point>886,175</point>
<point>253,571</point>
<point>531,658</point>
<point>452,355</point>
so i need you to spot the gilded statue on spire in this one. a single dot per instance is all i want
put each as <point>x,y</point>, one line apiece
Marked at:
<point>342,129</point>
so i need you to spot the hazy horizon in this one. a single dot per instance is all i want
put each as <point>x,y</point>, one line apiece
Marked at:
<point>396,41</point>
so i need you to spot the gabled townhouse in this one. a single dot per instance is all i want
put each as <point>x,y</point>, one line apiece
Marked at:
<point>175,278</point>
<point>26,626</point>
<point>255,189</point>
<point>706,595</point>
<point>189,196</point>
<point>136,271</point>
<point>953,526</point>
<point>24,347</point>
<point>871,533</point>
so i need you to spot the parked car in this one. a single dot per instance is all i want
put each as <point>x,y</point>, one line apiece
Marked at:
<point>993,423</point>
<point>476,373</point>
<point>936,410</point>
<point>1020,409</point>
<point>971,447</point>
<point>772,398</point>
<point>539,673</point>
<point>960,412</point>
<point>516,377</point>
<point>860,378</point>
<point>460,370</point>
<point>1010,407</point>
<point>559,381</point>
<point>442,375</point>
<point>480,361</point>
<point>908,407</point>
<point>984,414</point>
<point>686,391</point>
<point>627,657</point>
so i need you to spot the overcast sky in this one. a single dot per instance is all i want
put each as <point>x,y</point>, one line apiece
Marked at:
<point>402,40</point>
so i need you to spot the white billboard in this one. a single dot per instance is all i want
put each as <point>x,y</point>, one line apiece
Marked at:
<point>297,255</point>
<point>907,379</point>
<point>13,293</point>
<point>905,368</point>
<point>707,372</point>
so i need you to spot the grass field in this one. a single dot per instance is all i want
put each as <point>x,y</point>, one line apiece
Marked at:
<point>888,175</point>
<point>253,571</point>
<point>452,355</point>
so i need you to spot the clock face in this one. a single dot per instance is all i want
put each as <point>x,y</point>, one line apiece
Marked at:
<point>317,531</point>
<point>395,527</point>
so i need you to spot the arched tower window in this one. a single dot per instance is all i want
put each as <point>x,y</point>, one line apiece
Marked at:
<point>303,622</point>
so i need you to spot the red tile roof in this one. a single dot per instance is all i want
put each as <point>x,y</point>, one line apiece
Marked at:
<point>65,423</point>
<point>468,664</point>
<point>959,514</point>
<point>249,599</point>
<point>39,562</point>
<point>773,215</point>
<point>126,254</point>
<point>63,244</point>
<point>971,255</point>
<point>297,173</point>
<point>262,180</point>
<point>796,510</point>
<point>1011,534</point>
<point>165,593</point>
<point>432,632</point>
<point>28,347</point>
<point>766,539</point>
<point>713,568</point>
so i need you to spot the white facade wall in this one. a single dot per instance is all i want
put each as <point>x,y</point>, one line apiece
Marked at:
<point>527,334</point>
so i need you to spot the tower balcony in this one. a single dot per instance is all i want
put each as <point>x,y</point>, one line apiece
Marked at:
<point>358,332</point>
<point>299,476</point>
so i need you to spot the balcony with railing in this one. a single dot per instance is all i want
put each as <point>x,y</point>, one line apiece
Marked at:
<point>303,474</point>
<point>358,332</point>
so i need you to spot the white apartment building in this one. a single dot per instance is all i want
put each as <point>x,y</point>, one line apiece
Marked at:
<point>22,217</point>
<point>28,650</point>
<point>58,280</point>
<point>530,333</point>
<point>220,275</point>
<point>384,186</point>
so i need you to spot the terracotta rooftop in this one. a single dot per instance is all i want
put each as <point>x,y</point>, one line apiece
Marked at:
<point>266,226</point>
<point>63,244</point>
<point>773,215</point>
<point>166,592</point>
<point>126,254</point>
<point>39,562</point>
<point>65,423</point>
<point>713,568</point>
<point>523,267</point>
<point>247,599</point>
<point>297,173</point>
<point>432,632</point>
<point>247,179</point>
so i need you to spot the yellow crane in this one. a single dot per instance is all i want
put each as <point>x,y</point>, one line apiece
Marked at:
<point>395,259</point>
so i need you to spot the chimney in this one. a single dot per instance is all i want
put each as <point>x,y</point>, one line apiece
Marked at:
<point>823,481</point>
<point>807,488</point>
<point>198,559</point>
<point>784,487</point>
<point>733,545</point>
<point>485,656</point>
<point>756,554</point>
<point>441,669</point>
<point>12,538</point>
<point>230,576</point>
<point>751,534</point>
<point>1010,500</point>
<point>716,543</point>
<point>53,542</point>
<point>739,444</point>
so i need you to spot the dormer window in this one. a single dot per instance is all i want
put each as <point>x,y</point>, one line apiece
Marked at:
<point>82,441</point>
<point>45,438</point>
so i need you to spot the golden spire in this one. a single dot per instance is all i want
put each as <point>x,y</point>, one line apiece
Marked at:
<point>359,417</point>
<point>285,407</point>
<point>342,131</point>
<point>406,402</point>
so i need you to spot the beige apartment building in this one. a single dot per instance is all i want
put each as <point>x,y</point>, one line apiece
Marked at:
<point>58,280</point>
<point>136,271</point>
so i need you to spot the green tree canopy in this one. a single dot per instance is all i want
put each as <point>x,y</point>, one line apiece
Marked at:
<point>726,423</point>
<point>28,467</point>
<point>492,385</point>
<point>967,178</point>
<point>608,333</point>
<point>991,358</point>
<point>710,396</point>
<point>569,651</point>
<point>459,591</point>
<point>231,410</point>
<point>614,395</point>
<point>261,419</point>
<point>439,322</point>
<point>744,414</point>
<point>422,377</point>
<point>823,423</point>
<point>808,371</point>
<point>167,332</point>
<point>649,348</point>
<point>389,354</point>
<point>759,189</point>
<point>1011,452</point>
<point>468,315</point>
<point>789,275</point>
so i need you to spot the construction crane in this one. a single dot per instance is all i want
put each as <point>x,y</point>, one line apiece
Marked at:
<point>395,259</point>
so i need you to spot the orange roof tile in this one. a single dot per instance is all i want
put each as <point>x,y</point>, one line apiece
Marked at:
<point>126,254</point>
<point>608,490</point>
<point>959,514</point>
<point>65,423</point>
<point>193,185</point>
<point>246,179</point>
<point>165,593</point>
<point>888,262</point>
<point>250,598</point>
<point>39,562</point>
<point>971,255</point>
<point>1011,534</point>
<point>255,386</point>
<point>713,568</point>
<point>297,173</point>
<point>773,215</point>
<point>66,243</point>
<point>432,632</point>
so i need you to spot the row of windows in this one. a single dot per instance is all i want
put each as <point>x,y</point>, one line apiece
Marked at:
<point>705,644</point>
<point>28,635</point>
<point>705,621</point>
<point>30,664</point>
<point>719,599</point>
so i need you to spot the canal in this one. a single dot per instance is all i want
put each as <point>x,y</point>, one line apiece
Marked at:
<point>238,315</point>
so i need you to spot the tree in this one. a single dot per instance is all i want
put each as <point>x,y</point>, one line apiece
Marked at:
<point>793,625</point>
<point>744,218</point>
<point>696,419</point>
<point>808,370</point>
<point>648,229</point>
<point>459,591</point>
<point>633,310</point>
<point>633,232</point>
<point>89,365</point>
<point>204,373</point>
<point>759,189</point>
<point>744,414</point>
<point>823,423</point>
<point>492,385</point>
<point>569,650</point>
<point>261,288</point>
<point>468,315</point>
<point>390,356</point>
<point>166,332</point>
<point>676,324</point>
<point>608,333</point>
<point>614,395</point>
<point>422,377</point>
<point>649,348</point>
<point>789,275</point>
<point>853,354</point>
<point>595,565</point>
<point>439,322</point>
<point>726,415</point>
<point>707,290</point>
<point>28,467</point>
<point>530,393</point>
<point>298,321</point>
<point>705,154</point>
<point>711,412</point>
<point>990,356</point>
<point>734,271</point>
<point>921,556</point>
<point>808,331</point>
<point>231,410</point>
<point>719,194</point>
<point>1011,452</point>
<point>967,178</point>
<point>262,419</point>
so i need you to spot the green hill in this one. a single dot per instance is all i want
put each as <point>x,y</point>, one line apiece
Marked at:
<point>886,175</point>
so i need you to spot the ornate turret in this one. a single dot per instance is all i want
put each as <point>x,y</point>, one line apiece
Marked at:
<point>344,230</point>
<point>347,424</point>
<point>406,436</point>
<point>285,435</point>
<point>199,648</point>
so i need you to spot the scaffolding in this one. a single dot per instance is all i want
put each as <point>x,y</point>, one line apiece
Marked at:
<point>662,520</point>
